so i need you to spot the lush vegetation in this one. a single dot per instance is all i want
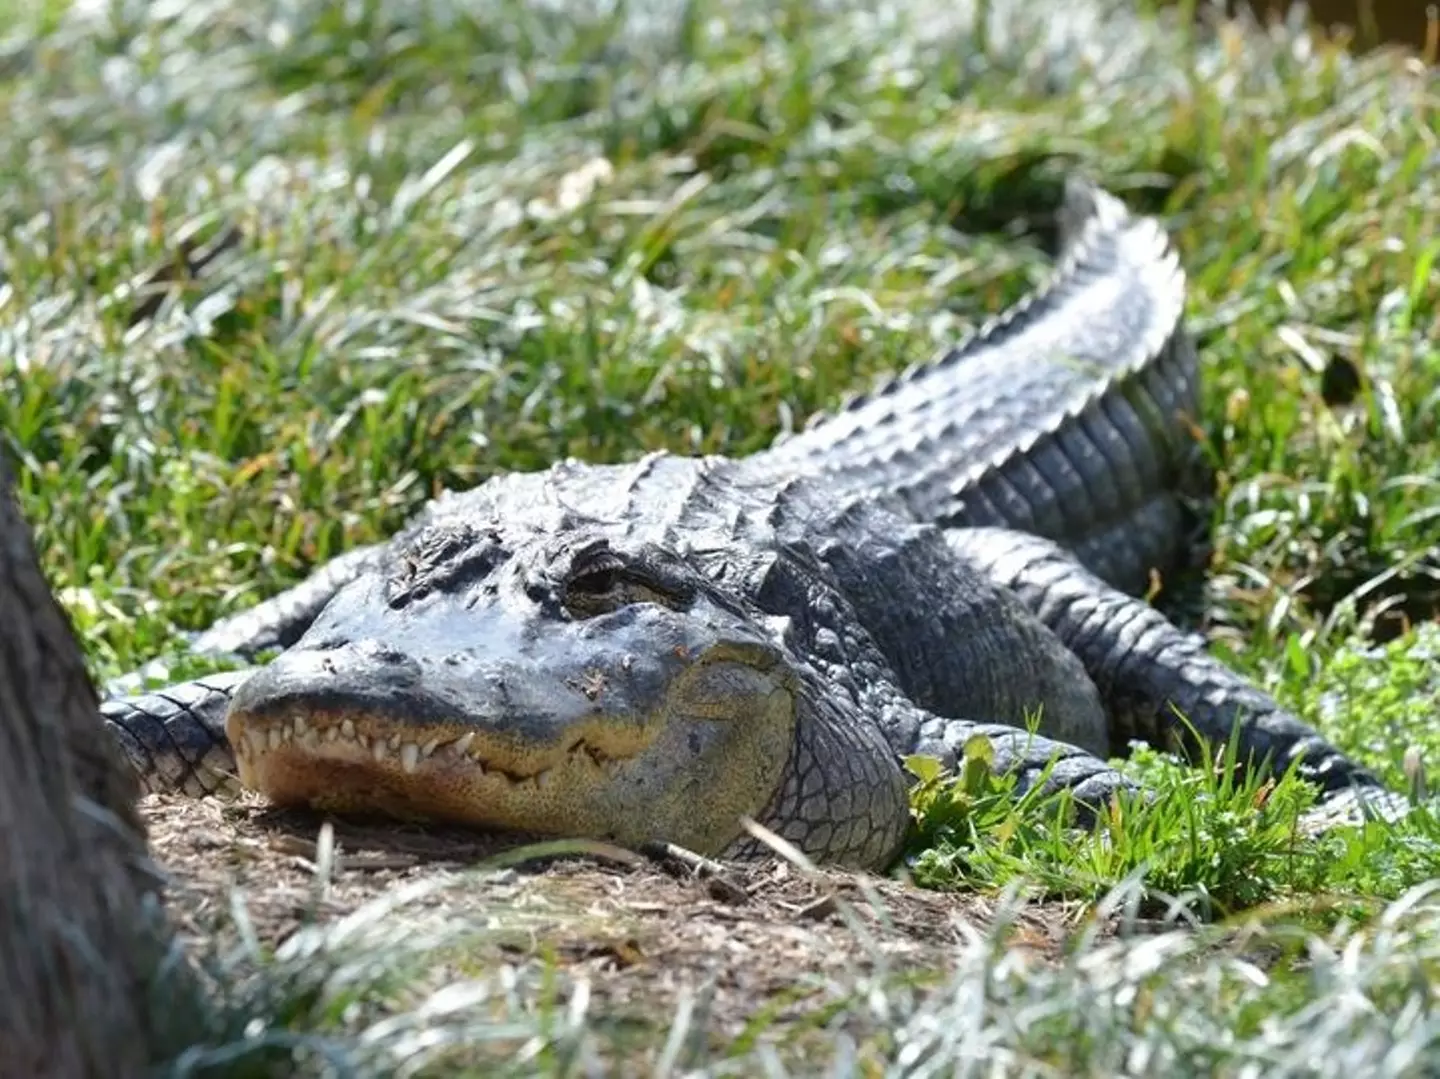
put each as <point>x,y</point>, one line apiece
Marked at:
<point>451,239</point>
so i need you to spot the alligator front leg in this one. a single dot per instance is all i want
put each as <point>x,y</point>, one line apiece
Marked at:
<point>175,737</point>
<point>1150,673</point>
<point>1031,757</point>
<point>844,797</point>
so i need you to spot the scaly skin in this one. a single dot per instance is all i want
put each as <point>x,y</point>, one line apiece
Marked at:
<point>658,650</point>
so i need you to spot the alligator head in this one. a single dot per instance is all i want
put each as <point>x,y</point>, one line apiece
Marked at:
<point>567,682</point>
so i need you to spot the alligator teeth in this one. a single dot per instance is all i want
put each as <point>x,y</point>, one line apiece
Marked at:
<point>300,732</point>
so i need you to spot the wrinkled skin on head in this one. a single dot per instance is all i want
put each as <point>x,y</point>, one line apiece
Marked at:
<point>571,680</point>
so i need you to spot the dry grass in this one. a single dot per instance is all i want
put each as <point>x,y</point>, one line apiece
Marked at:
<point>642,932</point>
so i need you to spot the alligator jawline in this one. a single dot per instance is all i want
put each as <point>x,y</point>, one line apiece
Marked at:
<point>345,741</point>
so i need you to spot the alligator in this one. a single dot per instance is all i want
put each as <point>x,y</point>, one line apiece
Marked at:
<point>670,648</point>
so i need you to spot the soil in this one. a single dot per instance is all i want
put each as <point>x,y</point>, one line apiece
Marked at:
<point>643,931</point>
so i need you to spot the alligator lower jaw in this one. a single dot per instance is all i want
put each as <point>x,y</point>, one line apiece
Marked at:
<point>345,765</point>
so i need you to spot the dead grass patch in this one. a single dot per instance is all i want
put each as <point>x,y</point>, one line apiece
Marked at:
<point>643,934</point>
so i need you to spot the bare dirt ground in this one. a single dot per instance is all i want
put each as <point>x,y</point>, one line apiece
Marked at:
<point>640,930</point>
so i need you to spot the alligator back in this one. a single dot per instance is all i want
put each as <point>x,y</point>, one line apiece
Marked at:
<point>1071,416</point>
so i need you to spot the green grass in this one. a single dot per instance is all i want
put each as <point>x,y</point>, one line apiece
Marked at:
<point>477,237</point>
<point>1220,844</point>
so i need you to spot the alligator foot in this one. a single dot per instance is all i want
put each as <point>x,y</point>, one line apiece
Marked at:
<point>1032,758</point>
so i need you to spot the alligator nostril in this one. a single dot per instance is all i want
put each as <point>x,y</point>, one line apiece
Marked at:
<point>381,652</point>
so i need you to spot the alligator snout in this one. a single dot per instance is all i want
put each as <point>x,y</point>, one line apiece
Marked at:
<point>558,728</point>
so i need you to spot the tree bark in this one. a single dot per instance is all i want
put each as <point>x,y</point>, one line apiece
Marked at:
<point>83,945</point>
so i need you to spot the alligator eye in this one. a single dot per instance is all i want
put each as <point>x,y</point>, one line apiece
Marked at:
<point>609,586</point>
<point>595,582</point>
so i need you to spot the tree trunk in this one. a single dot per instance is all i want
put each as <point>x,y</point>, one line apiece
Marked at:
<point>82,940</point>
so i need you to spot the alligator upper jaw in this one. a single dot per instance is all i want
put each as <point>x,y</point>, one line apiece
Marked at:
<point>341,731</point>
<point>358,760</point>
<point>680,754</point>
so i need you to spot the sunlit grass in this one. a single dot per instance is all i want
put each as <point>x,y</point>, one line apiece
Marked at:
<point>458,239</point>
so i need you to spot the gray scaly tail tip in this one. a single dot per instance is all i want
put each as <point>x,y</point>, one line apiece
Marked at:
<point>1083,206</point>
